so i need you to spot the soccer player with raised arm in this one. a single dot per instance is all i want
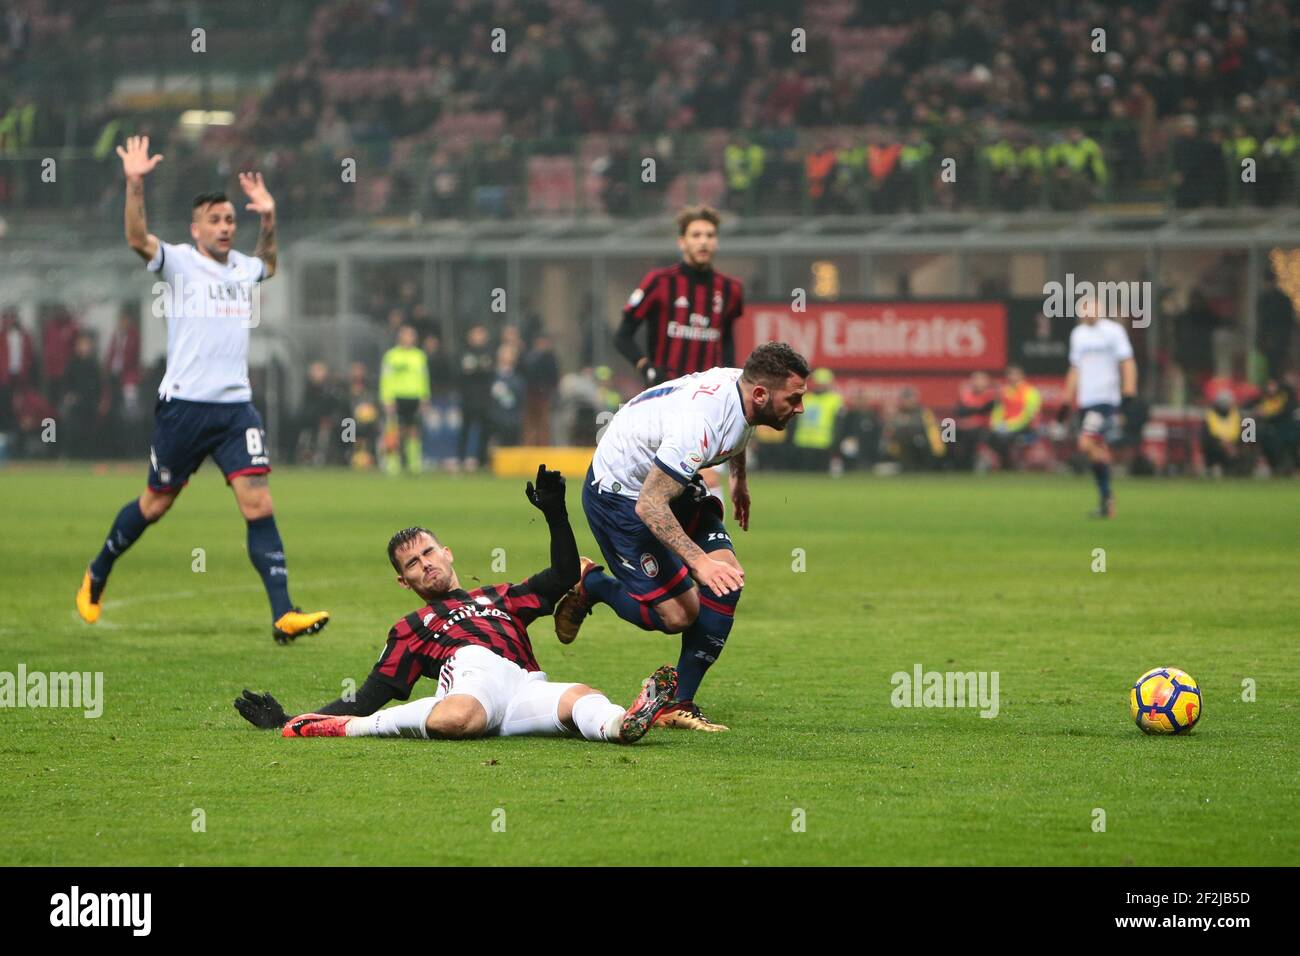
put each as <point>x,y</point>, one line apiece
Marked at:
<point>659,529</point>
<point>204,401</point>
<point>1102,379</point>
<point>476,644</point>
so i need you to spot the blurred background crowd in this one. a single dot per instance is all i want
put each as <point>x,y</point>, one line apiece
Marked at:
<point>509,387</point>
<point>772,108</point>
<point>1034,109</point>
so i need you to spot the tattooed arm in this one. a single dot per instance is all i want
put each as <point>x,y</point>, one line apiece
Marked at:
<point>654,507</point>
<point>136,164</point>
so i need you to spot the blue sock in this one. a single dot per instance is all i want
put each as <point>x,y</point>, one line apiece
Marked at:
<point>703,641</point>
<point>266,551</point>
<point>127,528</point>
<point>608,590</point>
<point>1102,473</point>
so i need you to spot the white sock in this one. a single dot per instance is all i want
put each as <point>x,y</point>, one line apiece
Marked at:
<point>597,718</point>
<point>405,720</point>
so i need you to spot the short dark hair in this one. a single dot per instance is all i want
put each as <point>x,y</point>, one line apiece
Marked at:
<point>208,199</point>
<point>695,213</point>
<point>772,363</point>
<point>404,537</point>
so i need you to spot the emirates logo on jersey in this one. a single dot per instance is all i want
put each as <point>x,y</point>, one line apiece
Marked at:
<point>468,610</point>
<point>698,331</point>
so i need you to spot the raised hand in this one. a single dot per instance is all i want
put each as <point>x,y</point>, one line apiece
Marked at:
<point>548,494</point>
<point>136,161</point>
<point>259,198</point>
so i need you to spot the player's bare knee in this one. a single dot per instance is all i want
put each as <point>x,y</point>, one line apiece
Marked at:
<point>254,503</point>
<point>457,716</point>
<point>254,511</point>
<point>155,504</point>
<point>574,692</point>
<point>564,707</point>
<point>679,613</point>
<point>726,557</point>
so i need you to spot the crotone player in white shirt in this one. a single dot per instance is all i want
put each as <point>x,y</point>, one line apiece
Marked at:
<point>207,291</point>
<point>659,529</point>
<point>1102,377</point>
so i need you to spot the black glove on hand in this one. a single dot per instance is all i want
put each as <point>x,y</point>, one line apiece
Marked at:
<point>696,489</point>
<point>548,494</point>
<point>261,710</point>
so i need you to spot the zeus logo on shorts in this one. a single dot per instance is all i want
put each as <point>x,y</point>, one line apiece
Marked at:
<point>649,565</point>
<point>718,536</point>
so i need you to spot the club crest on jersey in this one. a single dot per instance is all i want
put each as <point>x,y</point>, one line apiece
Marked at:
<point>649,565</point>
<point>682,302</point>
<point>717,302</point>
<point>483,599</point>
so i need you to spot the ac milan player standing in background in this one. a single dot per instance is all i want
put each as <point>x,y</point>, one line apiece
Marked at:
<point>690,309</point>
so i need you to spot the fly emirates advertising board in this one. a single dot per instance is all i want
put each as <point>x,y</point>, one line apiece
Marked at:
<point>880,347</point>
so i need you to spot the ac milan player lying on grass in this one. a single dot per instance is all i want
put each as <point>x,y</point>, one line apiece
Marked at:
<point>476,643</point>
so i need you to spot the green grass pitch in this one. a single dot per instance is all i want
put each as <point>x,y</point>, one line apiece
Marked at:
<point>992,574</point>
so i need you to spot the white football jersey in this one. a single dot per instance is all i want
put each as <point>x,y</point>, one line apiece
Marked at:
<point>209,311</point>
<point>1096,351</point>
<point>683,425</point>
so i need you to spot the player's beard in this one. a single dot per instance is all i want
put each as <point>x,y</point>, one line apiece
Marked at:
<point>765,416</point>
<point>439,588</point>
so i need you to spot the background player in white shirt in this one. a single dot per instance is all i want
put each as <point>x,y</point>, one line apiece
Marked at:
<point>659,529</point>
<point>1102,377</point>
<point>204,405</point>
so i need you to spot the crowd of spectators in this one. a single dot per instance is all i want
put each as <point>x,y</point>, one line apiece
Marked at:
<point>493,389</point>
<point>1005,425</point>
<point>65,394</point>
<point>1033,105</point>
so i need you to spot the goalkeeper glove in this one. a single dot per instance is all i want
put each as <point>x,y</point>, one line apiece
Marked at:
<point>261,710</point>
<point>547,496</point>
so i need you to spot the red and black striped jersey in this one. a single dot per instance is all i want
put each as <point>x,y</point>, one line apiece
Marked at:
<point>690,312</point>
<point>495,617</point>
